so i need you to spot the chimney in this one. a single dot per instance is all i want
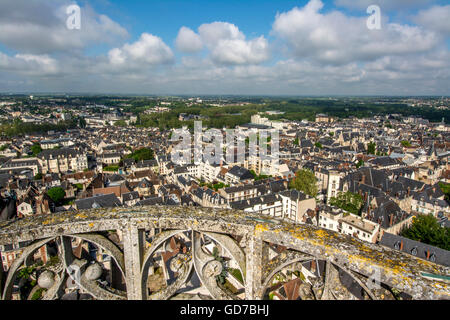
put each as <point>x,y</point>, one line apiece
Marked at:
<point>391,217</point>
<point>363,181</point>
<point>428,254</point>
<point>401,245</point>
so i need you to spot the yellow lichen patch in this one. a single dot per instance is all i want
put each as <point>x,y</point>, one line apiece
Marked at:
<point>259,228</point>
<point>321,233</point>
<point>81,216</point>
<point>91,225</point>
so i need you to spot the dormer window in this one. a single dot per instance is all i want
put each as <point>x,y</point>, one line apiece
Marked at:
<point>414,251</point>
<point>397,245</point>
<point>433,257</point>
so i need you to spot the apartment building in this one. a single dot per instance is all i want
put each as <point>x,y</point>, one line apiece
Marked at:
<point>62,160</point>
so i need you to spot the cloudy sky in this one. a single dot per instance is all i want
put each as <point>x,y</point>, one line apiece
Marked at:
<point>313,47</point>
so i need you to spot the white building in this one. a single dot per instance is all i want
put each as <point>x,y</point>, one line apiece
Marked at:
<point>338,220</point>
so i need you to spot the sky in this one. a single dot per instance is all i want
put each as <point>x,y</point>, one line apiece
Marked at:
<point>168,47</point>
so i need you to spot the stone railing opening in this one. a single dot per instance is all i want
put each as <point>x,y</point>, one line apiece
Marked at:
<point>186,253</point>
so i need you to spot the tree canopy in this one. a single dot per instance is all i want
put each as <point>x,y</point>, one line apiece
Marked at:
<point>426,229</point>
<point>142,154</point>
<point>36,149</point>
<point>305,181</point>
<point>56,194</point>
<point>371,148</point>
<point>405,143</point>
<point>348,201</point>
<point>445,187</point>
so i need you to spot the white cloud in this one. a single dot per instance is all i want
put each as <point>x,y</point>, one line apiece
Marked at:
<point>235,51</point>
<point>383,4</point>
<point>39,27</point>
<point>28,64</point>
<point>188,41</point>
<point>436,18</point>
<point>213,33</point>
<point>339,39</point>
<point>149,49</point>
<point>324,53</point>
<point>228,46</point>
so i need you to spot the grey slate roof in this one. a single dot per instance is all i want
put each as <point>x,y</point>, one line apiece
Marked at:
<point>243,204</point>
<point>420,249</point>
<point>151,201</point>
<point>240,172</point>
<point>65,152</point>
<point>130,196</point>
<point>100,201</point>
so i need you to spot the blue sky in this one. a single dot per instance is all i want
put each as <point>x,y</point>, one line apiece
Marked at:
<point>252,16</point>
<point>226,47</point>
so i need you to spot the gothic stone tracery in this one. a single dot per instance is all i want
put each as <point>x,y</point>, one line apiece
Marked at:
<point>185,253</point>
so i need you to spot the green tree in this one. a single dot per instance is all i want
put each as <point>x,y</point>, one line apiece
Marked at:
<point>82,123</point>
<point>38,176</point>
<point>296,142</point>
<point>305,181</point>
<point>56,194</point>
<point>405,143</point>
<point>259,177</point>
<point>348,201</point>
<point>371,148</point>
<point>120,123</point>
<point>36,149</point>
<point>445,187</point>
<point>360,163</point>
<point>79,186</point>
<point>318,145</point>
<point>142,154</point>
<point>112,168</point>
<point>426,229</point>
